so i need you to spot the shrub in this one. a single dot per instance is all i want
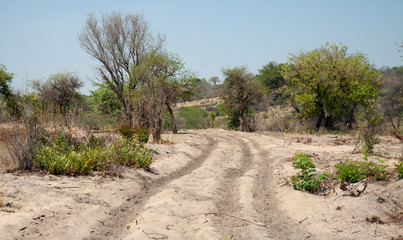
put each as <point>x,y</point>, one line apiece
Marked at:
<point>127,131</point>
<point>140,134</point>
<point>21,142</point>
<point>265,116</point>
<point>353,172</point>
<point>195,117</point>
<point>350,172</point>
<point>307,179</point>
<point>399,168</point>
<point>59,158</point>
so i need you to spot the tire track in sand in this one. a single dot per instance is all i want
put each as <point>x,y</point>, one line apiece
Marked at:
<point>114,225</point>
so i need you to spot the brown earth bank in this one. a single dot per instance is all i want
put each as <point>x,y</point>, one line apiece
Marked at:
<point>209,184</point>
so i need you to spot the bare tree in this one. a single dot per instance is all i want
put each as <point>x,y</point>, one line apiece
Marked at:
<point>118,41</point>
<point>214,80</point>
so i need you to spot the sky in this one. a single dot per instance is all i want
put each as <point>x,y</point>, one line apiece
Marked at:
<point>39,38</point>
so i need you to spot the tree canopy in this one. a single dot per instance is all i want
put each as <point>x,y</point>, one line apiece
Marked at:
<point>160,79</point>
<point>240,92</point>
<point>329,84</point>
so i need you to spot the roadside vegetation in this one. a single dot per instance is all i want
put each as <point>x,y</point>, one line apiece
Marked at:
<point>142,89</point>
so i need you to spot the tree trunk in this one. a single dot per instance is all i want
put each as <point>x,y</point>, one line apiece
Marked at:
<point>351,117</point>
<point>319,122</point>
<point>172,118</point>
<point>157,132</point>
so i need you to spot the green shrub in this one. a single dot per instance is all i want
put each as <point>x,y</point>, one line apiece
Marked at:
<point>307,179</point>
<point>265,116</point>
<point>353,172</point>
<point>350,172</point>
<point>57,157</point>
<point>195,117</point>
<point>142,135</point>
<point>399,168</point>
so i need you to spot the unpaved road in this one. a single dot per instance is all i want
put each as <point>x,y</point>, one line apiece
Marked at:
<point>209,184</point>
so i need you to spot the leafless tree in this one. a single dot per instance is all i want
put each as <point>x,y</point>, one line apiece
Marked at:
<point>118,40</point>
<point>214,80</point>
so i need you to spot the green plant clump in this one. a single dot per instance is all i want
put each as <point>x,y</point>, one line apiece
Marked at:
<point>350,172</point>
<point>57,157</point>
<point>353,172</point>
<point>399,168</point>
<point>307,179</point>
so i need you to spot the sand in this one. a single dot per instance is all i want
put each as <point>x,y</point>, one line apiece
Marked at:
<point>209,184</point>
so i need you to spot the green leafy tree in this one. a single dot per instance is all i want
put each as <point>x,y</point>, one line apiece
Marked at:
<point>11,101</point>
<point>240,93</point>
<point>271,78</point>
<point>160,79</point>
<point>329,84</point>
<point>106,101</point>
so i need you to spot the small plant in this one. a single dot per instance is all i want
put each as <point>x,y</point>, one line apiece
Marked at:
<point>353,172</point>
<point>399,168</point>
<point>307,179</point>
<point>265,116</point>
<point>350,172</point>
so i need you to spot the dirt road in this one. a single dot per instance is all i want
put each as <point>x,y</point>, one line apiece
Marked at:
<point>209,184</point>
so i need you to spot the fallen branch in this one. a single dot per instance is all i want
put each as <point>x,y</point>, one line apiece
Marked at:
<point>242,219</point>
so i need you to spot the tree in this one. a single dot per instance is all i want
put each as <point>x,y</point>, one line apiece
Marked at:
<point>59,90</point>
<point>10,99</point>
<point>329,84</point>
<point>160,79</point>
<point>214,80</point>
<point>240,92</point>
<point>106,101</point>
<point>391,96</point>
<point>271,78</point>
<point>118,41</point>
<point>5,81</point>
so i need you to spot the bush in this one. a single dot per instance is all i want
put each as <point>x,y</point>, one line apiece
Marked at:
<point>139,134</point>
<point>195,117</point>
<point>399,168</point>
<point>350,172</point>
<point>353,172</point>
<point>21,142</point>
<point>265,116</point>
<point>57,157</point>
<point>306,180</point>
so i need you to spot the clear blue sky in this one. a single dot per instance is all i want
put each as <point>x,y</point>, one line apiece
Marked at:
<point>39,38</point>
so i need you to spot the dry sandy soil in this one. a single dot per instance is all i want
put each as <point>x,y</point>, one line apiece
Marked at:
<point>209,184</point>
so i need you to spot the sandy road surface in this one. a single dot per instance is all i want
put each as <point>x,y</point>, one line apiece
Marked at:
<point>208,185</point>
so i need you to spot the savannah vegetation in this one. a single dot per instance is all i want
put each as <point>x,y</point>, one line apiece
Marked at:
<point>141,88</point>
